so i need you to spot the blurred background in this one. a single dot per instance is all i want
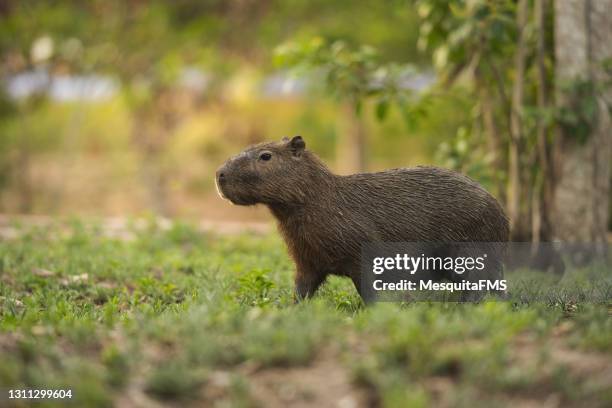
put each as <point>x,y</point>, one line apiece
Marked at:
<point>122,108</point>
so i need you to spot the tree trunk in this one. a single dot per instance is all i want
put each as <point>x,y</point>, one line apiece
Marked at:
<point>352,147</point>
<point>583,33</point>
<point>542,205</point>
<point>494,141</point>
<point>515,196</point>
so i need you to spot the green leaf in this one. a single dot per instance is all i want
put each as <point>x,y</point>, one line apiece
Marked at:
<point>382,108</point>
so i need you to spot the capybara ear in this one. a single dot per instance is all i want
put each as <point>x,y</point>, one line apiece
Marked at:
<point>297,145</point>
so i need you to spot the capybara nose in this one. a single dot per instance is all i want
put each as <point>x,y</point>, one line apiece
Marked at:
<point>221,175</point>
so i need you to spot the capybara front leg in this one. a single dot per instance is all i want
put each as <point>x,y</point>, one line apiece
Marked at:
<point>306,285</point>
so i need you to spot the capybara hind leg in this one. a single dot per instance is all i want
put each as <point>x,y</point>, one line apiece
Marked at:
<point>472,296</point>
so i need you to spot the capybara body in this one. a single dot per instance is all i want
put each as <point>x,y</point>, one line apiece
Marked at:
<point>325,218</point>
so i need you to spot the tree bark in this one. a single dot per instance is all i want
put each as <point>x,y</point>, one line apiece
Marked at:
<point>517,227</point>
<point>352,147</point>
<point>494,141</point>
<point>583,33</point>
<point>542,205</point>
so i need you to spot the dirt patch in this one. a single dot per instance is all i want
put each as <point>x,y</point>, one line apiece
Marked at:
<point>556,375</point>
<point>324,383</point>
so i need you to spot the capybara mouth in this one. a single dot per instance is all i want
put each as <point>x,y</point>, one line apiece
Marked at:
<point>240,201</point>
<point>232,198</point>
<point>219,191</point>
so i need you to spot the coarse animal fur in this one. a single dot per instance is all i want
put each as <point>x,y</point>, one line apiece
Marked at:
<point>325,218</point>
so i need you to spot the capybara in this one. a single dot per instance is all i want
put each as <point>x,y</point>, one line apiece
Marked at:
<point>325,218</point>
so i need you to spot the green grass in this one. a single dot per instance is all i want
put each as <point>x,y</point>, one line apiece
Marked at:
<point>182,317</point>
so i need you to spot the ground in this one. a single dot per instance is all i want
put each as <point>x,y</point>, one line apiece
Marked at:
<point>168,314</point>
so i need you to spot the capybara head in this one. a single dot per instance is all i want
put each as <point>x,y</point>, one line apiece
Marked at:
<point>268,173</point>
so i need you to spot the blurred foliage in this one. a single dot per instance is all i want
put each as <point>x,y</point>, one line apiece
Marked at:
<point>466,154</point>
<point>579,114</point>
<point>55,154</point>
<point>198,80</point>
<point>461,34</point>
<point>350,75</point>
<point>471,42</point>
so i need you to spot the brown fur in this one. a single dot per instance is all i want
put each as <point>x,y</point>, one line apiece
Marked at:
<point>324,218</point>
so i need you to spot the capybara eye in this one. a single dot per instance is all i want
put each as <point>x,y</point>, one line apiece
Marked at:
<point>265,156</point>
